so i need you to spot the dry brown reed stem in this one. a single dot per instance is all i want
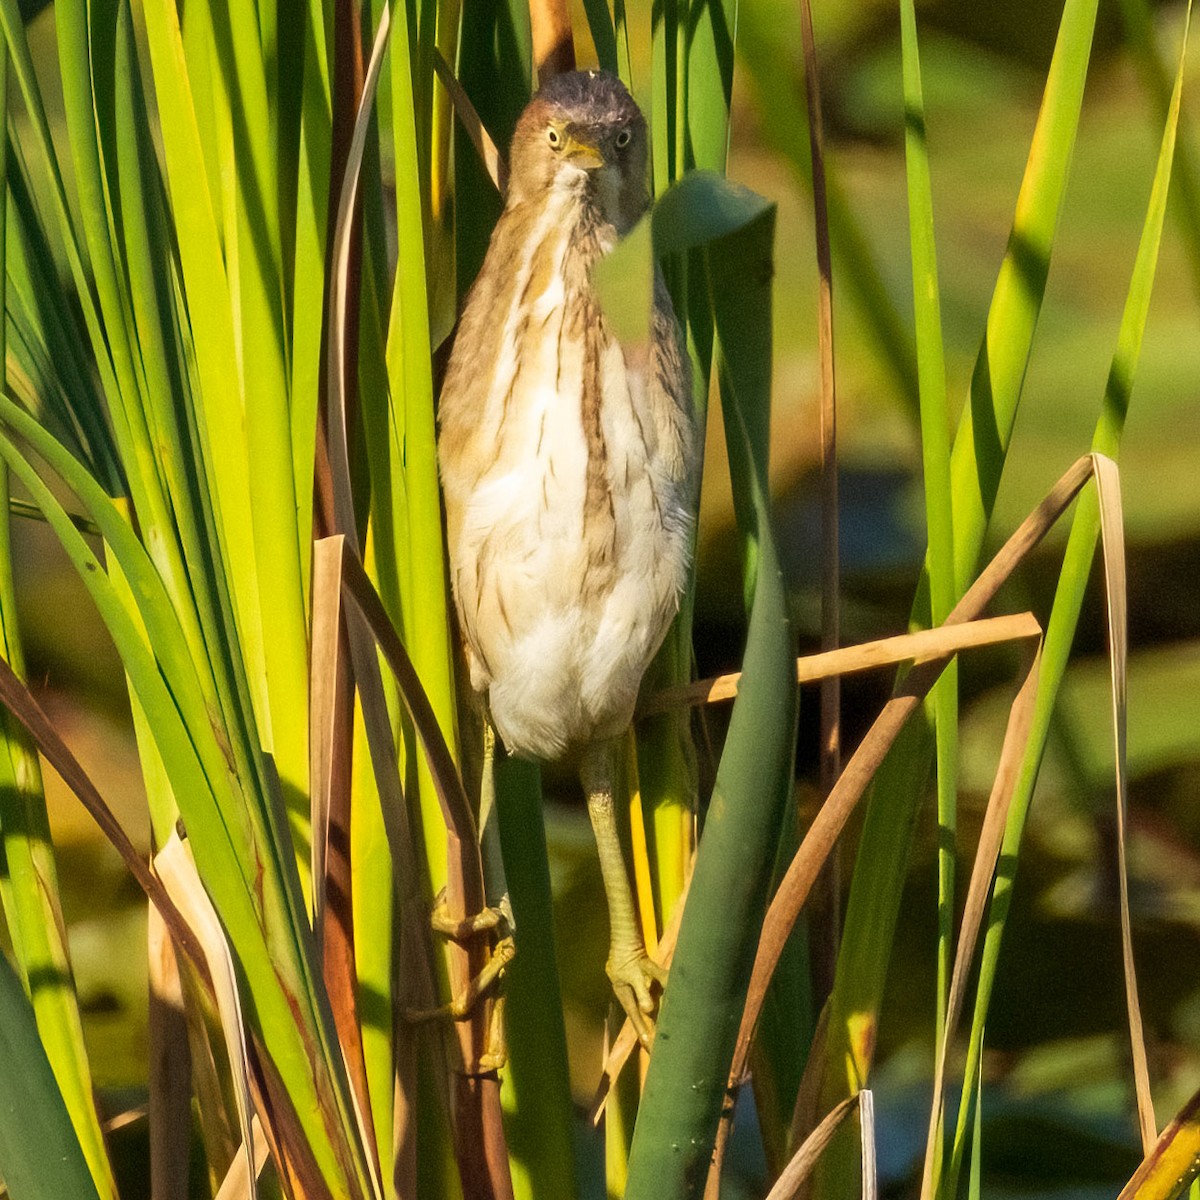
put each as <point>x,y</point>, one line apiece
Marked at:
<point>790,1183</point>
<point>169,1072</point>
<point>1108,487</point>
<point>1173,1161</point>
<point>991,838</point>
<point>926,645</point>
<point>479,1131</point>
<point>822,834</point>
<point>831,687</point>
<point>553,42</point>
<point>19,701</point>
<point>489,154</point>
<point>475,1109</point>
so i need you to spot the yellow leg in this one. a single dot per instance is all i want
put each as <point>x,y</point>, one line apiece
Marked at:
<point>633,973</point>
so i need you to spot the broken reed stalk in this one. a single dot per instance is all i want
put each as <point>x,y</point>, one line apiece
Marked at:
<point>822,834</point>
<point>924,646</point>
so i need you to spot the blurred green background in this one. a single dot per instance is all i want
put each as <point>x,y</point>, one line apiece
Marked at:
<point>1057,1096</point>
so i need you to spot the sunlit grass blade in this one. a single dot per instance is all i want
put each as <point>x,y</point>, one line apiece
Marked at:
<point>1076,568</point>
<point>29,879</point>
<point>708,81</point>
<point>235,833</point>
<point>308,269</point>
<point>976,463</point>
<point>210,323</point>
<point>942,706</point>
<point>253,262</point>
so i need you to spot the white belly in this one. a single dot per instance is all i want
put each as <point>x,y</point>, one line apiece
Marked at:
<point>565,608</point>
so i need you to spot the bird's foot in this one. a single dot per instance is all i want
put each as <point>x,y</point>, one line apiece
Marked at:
<point>634,980</point>
<point>495,922</point>
<point>476,989</point>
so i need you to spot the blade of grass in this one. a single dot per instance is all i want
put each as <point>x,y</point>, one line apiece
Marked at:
<point>537,1082</point>
<point>256,296</point>
<point>768,38</point>
<point>32,906</point>
<point>485,148</point>
<point>828,936</point>
<point>942,705</point>
<point>1073,575</point>
<point>1139,20</point>
<point>977,459</point>
<point>28,873</point>
<point>685,1085</point>
<point>987,854</point>
<point>40,1157</point>
<point>790,897</point>
<point>206,291</point>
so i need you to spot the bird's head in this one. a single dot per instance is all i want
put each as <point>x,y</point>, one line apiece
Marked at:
<point>583,131</point>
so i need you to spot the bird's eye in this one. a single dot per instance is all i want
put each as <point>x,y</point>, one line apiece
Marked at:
<point>623,139</point>
<point>553,137</point>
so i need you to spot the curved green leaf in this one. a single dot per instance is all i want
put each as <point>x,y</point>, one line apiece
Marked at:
<point>40,1158</point>
<point>703,1001</point>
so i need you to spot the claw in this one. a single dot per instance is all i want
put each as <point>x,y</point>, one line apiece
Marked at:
<point>462,1005</point>
<point>497,919</point>
<point>633,982</point>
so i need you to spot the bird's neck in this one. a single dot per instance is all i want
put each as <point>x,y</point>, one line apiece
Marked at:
<point>594,206</point>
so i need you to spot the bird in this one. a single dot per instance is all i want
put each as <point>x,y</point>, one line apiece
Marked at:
<point>569,466</point>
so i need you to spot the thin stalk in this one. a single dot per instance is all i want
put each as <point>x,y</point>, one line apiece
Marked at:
<point>831,688</point>
<point>941,705</point>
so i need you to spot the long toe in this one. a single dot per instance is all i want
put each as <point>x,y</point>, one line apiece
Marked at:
<point>634,983</point>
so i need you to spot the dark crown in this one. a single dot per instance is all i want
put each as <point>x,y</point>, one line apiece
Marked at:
<point>595,97</point>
